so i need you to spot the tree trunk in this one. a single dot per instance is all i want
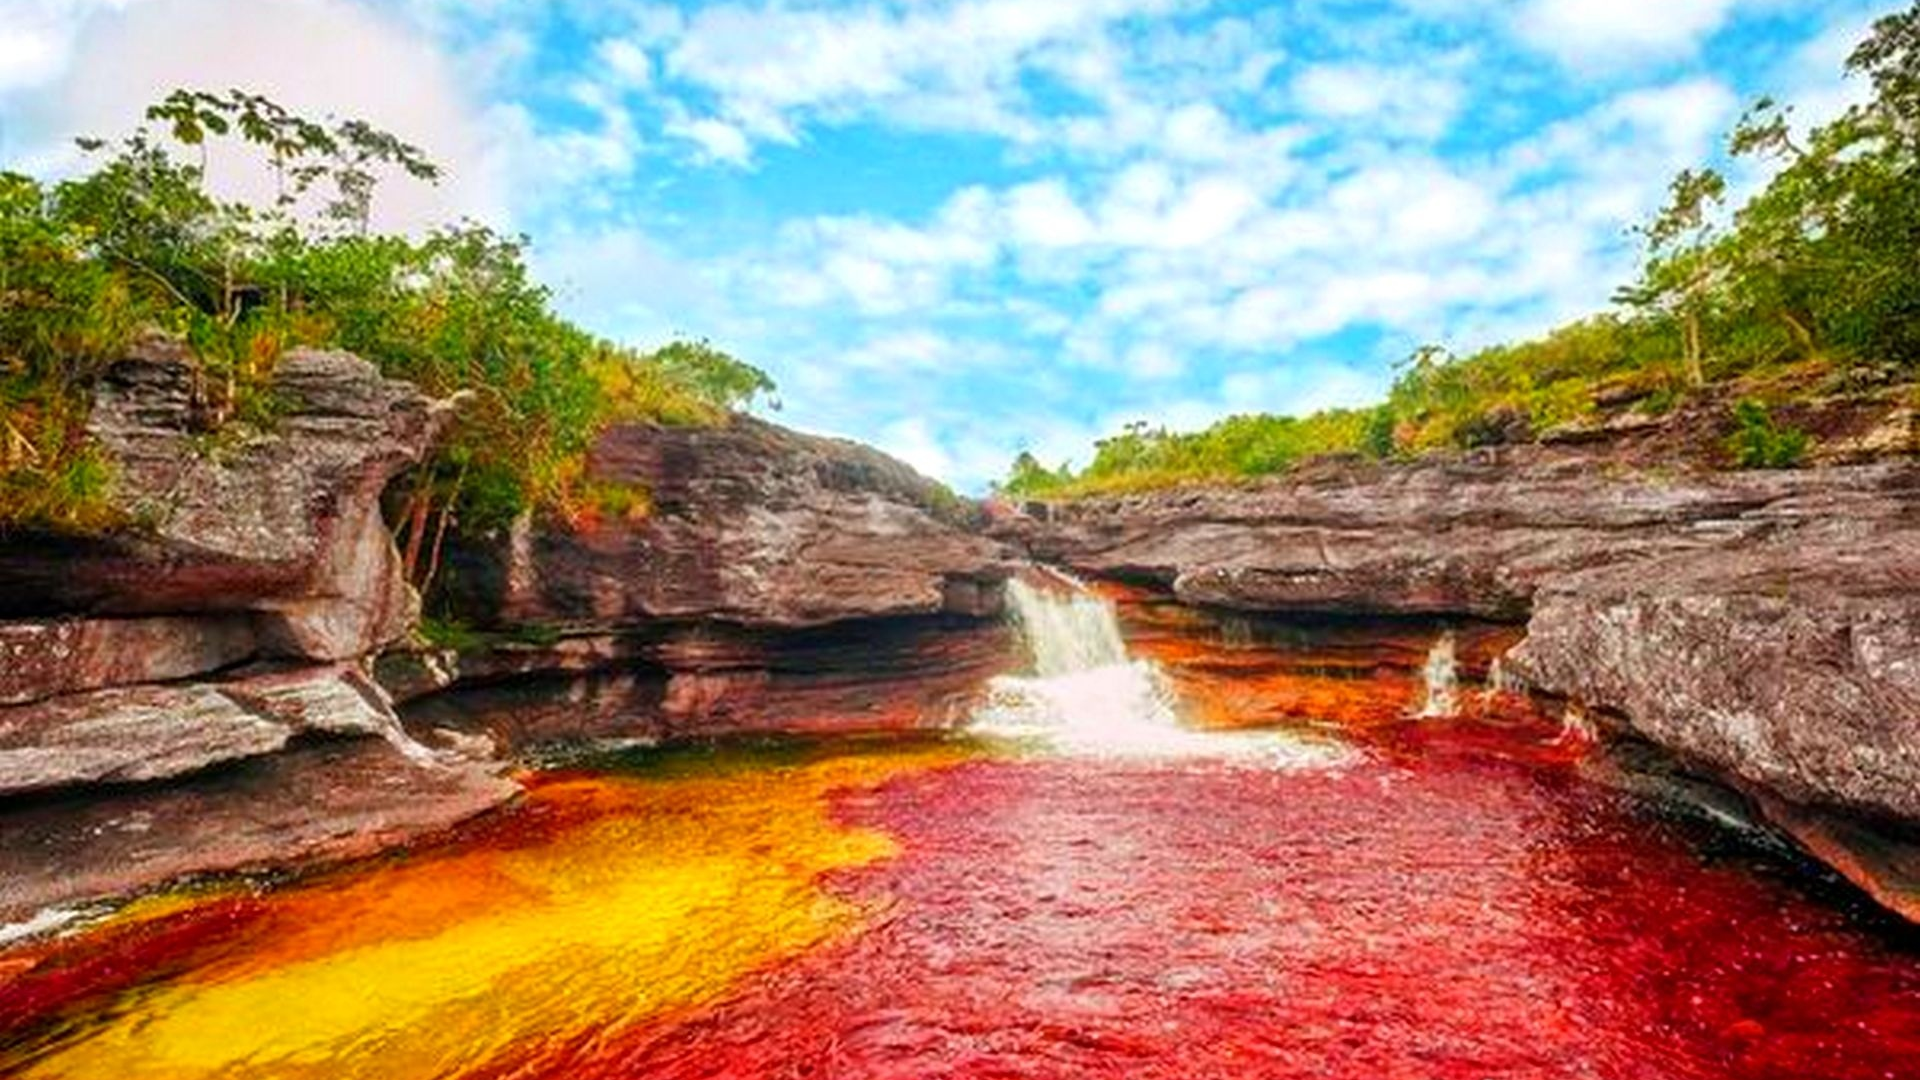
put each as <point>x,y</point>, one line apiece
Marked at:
<point>440,532</point>
<point>418,504</point>
<point>1801,335</point>
<point>1696,367</point>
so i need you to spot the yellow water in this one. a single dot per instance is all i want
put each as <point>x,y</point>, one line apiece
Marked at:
<point>632,896</point>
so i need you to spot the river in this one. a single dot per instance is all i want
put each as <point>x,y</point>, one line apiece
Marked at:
<point>1085,883</point>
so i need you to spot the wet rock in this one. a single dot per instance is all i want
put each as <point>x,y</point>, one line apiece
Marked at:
<point>1882,859</point>
<point>328,800</point>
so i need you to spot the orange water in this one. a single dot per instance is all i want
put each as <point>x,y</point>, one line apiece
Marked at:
<point>601,902</point>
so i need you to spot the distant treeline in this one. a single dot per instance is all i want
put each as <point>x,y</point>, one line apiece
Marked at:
<point>1817,277</point>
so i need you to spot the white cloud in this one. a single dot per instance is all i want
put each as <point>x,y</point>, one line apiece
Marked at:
<point>629,64</point>
<point>623,282</point>
<point>1589,32</point>
<point>913,441</point>
<point>315,56</point>
<point>717,139</point>
<point>772,67</point>
<point>1154,360</point>
<point>1409,101</point>
<point>1044,215</point>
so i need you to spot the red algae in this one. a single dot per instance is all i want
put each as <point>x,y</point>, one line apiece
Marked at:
<point>1489,915</point>
<point>1453,902</point>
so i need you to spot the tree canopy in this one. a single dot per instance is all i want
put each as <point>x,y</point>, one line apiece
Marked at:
<point>141,240</point>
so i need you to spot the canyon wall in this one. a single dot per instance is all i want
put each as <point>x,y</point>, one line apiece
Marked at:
<point>774,582</point>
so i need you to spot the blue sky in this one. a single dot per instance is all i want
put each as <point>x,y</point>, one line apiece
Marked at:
<point>961,229</point>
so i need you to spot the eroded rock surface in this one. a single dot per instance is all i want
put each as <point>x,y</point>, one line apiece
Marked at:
<point>282,523</point>
<point>749,523</point>
<point>1793,665</point>
<point>1763,626</point>
<point>155,732</point>
<point>1476,537</point>
<point>325,800</point>
<point>185,693</point>
<point>776,582</point>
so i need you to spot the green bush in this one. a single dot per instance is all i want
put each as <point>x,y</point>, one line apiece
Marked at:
<point>1758,443</point>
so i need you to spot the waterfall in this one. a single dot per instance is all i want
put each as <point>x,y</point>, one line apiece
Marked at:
<point>1067,629</point>
<point>1443,679</point>
<point>1085,695</point>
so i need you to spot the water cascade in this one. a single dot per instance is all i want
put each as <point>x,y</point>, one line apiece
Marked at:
<point>1443,679</point>
<point>1086,695</point>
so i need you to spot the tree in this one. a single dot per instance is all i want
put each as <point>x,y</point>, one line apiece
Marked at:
<point>1683,261</point>
<point>1028,478</point>
<point>142,240</point>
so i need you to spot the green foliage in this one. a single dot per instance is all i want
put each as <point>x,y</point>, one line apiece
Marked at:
<point>1758,443</point>
<point>1821,268</point>
<point>449,633</point>
<point>711,375</point>
<point>1239,446</point>
<point>1378,439</point>
<point>1029,479</point>
<point>140,241</point>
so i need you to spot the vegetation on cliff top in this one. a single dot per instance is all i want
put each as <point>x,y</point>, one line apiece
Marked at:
<point>1814,283</point>
<point>142,241</point>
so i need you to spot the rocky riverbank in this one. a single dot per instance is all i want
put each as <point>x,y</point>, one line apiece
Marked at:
<point>1765,626</point>
<point>231,680</point>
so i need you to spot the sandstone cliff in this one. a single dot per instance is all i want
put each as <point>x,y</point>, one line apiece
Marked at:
<point>212,687</point>
<point>775,582</point>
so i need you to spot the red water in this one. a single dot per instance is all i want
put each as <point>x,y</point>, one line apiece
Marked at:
<point>1482,914</point>
<point>1456,904</point>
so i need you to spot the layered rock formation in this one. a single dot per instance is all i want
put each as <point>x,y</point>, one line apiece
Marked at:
<point>227,622</point>
<point>256,548</point>
<point>747,523</point>
<point>211,687</point>
<point>775,582</point>
<point>280,523</point>
<point>1474,537</point>
<point>1764,626</point>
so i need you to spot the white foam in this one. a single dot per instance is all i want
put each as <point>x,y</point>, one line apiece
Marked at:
<point>1087,697</point>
